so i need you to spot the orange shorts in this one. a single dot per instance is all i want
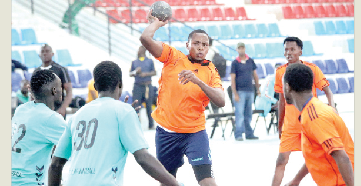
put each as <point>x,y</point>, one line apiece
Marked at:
<point>290,142</point>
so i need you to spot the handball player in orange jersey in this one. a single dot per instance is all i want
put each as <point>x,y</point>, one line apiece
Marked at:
<point>187,84</point>
<point>327,145</point>
<point>288,125</point>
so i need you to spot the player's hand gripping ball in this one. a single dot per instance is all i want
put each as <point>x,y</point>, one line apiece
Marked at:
<point>161,10</point>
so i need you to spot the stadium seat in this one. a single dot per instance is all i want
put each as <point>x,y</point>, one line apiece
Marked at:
<point>287,12</point>
<point>340,10</point>
<point>342,66</point>
<point>298,12</point>
<point>330,27</point>
<point>15,55</point>
<point>140,16</point>
<point>350,10</point>
<point>228,73</point>
<point>320,92</point>
<point>333,85</point>
<point>233,52</point>
<point>31,59</point>
<point>64,58</point>
<point>320,65</point>
<point>308,49</point>
<point>273,30</point>
<point>27,75</point>
<point>320,11</point>
<point>350,26</point>
<point>213,31</point>
<point>176,33</point>
<point>226,31</point>
<point>206,15</point>
<point>74,83</point>
<point>250,30</point>
<point>241,13</point>
<point>161,34</point>
<point>180,15</point>
<point>260,51</point>
<point>342,85</point>
<point>193,15</point>
<point>351,45</point>
<point>183,49</point>
<point>319,28</point>
<point>351,83</point>
<point>218,14</point>
<point>114,15</point>
<point>239,32</point>
<point>28,36</point>
<point>341,27</point>
<point>230,15</point>
<point>185,32</point>
<point>330,66</point>
<point>250,50</point>
<point>125,16</point>
<point>202,27</point>
<point>260,71</point>
<point>330,10</point>
<point>15,37</point>
<point>84,76</point>
<point>309,12</point>
<point>269,68</point>
<point>273,50</point>
<point>15,81</point>
<point>124,94</point>
<point>262,30</point>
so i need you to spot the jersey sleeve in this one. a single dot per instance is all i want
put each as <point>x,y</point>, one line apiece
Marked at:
<point>278,81</point>
<point>169,54</point>
<point>54,128</point>
<point>64,148</point>
<point>254,66</point>
<point>215,79</point>
<point>320,79</point>
<point>131,134</point>
<point>233,67</point>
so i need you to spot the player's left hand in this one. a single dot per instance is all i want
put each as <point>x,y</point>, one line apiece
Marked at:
<point>61,111</point>
<point>133,104</point>
<point>188,76</point>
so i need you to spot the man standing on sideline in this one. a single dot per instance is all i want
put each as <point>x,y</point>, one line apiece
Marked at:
<point>36,129</point>
<point>289,127</point>
<point>327,145</point>
<point>143,70</point>
<point>112,130</point>
<point>187,84</point>
<point>243,71</point>
<point>46,55</point>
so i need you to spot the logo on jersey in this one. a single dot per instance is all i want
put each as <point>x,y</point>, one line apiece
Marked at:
<point>39,175</point>
<point>83,171</point>
<point>16,174</point>
<point>114,170</point>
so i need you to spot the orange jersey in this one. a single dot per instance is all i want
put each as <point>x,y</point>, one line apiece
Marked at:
<point>323,131</point>
<point>291,123</point>
<point>180,108</point>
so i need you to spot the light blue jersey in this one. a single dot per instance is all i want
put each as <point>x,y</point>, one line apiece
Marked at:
<point>35,130</point>
<point>98,138</point>
<point>267,96</point>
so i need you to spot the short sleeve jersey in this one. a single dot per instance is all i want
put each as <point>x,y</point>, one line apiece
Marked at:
<point>291,123</point>
<point>35,130</point>
<point>180,108</point>
<point>323,131</point>
<point>98,138</point>
<point>91,88</point>
<point>146,65</point>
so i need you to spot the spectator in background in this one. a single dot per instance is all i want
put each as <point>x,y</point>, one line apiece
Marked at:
<point>143,70</point>
<point>23,93</point>
<point>46,54</point>
<point>212,50</point>
<point>92,93</point>
<point>16,64</point>
<point>243,70</point>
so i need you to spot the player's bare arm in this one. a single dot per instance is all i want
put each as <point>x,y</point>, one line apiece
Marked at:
<point>329,96</point>
<point>145,74</point>
<point>154,168</point>
<point>133,104</point>
<point>233,86</point>
<point>298,178</point>
<point>255,76</point>
<point>344,166</point>
<point>67,99</point>
<point>216,95</point>
<point>281,113</point>
<point>153,46</point>
<point>55,171</point>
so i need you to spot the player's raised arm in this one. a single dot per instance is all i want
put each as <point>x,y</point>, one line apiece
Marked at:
<point>55,171</point>
<point>154,168</point>
<point>344,165</point>
<point>154,47</point>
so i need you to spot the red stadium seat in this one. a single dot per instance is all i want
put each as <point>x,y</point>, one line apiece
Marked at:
<point>122,3</point>
<point>309,11</point>
<point>241,13</point>
<point>287,12</point>
<point>340,11</point>
<point>100,4</point>
<point>330,11</point>
<point>193,15</point>
<point>175,2</point>
<point>257,1</point>
<point>218,14</point>
<point>350,10</point>
<point>180,14</point>
<point>125,16</point>
<point>230,14</point>
<point>298,12</point>
<point>140,16</point>
<point>320,11</point>
<point>206,14</point>
<point>115,14</point>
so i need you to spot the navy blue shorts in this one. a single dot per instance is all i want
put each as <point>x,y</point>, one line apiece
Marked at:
<point>171,148</point>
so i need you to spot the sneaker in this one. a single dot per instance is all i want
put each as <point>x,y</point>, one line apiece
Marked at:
<point>239,139</point>
<point>252,138</point>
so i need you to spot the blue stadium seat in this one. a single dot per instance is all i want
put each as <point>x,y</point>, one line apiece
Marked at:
<point>185,32</point>
<point>226,32</point>
<point>330,66</point>
<point>343,86</point>
<point>341,27</point>
<point>74,83</point>
<point>350,26</point>
<point>15,37</point>
<point>176,33</point>
<point>213,31</point>
<point>351,83</point>
<point>238,31</point>
<point>274,31</point>
<point>308,49</point>
<point>27,75</point>
<point>224,51</point>
<point>250,51</point>
<point>84,76</point>
<point>15,81</point>
<point>233,52</point>
<point>351,45</point>
<point>320,65</point>
<point>332,86</point>
<point>124,94</point>
<point>262,30</point>
<point>342,66</point>
<point>227,77</point>
<point>202,27</point>
<point>183,49</point>
<point>269,68</point>
<point>330,27</point>
<point>274,50</point>
<point>319,92</point>
<point>15,55</point>
<point>250,30</point>
<point>28,36</point>
<point>260,71</point>
<point>319,28</point>
<point>64,58</point>
<point>161,34</point>
<point>260,51</point>
<point>31,59</point>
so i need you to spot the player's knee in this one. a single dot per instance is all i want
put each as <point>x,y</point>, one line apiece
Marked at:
<point>282,160</point>
<point>203,171</point>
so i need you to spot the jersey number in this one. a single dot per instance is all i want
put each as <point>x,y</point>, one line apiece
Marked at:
<point>18,150</point>
<point>81,134</point>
